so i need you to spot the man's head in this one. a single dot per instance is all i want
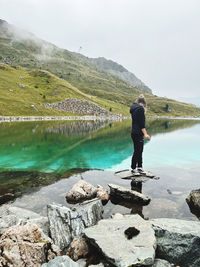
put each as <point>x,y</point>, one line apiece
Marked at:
<point>141,101</point>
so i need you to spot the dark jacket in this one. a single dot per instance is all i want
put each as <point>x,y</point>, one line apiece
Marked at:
<point>138,118</point>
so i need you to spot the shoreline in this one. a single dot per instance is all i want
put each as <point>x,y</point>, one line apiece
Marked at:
<point>86,118</point>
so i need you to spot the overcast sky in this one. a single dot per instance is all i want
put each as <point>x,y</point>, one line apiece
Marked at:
<point>157,40</point>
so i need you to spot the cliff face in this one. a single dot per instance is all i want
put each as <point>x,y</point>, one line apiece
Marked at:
<point>118,70</point>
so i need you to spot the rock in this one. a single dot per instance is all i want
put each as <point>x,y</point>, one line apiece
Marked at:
<point>120,192</point>
<point>6,197</point>
<point>26,245</point>
<point>61,261</point>
<point>102,194</point>
<point>178,241</point>
<point>161,263</point>
<point>81,191</point>
<point>193,201</point>
<point>109,239</point>
<point>66,223</point>
<point>77,249</point>
<point>18,216</point>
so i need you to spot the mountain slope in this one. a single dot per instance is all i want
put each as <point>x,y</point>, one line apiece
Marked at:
<point>23,92</point>
<point>19,48</point>
<point>118,70</point>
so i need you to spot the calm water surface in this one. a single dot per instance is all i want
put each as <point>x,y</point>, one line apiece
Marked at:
<point>35,157</point>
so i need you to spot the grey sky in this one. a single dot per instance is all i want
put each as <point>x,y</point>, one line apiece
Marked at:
<point>158,40</point>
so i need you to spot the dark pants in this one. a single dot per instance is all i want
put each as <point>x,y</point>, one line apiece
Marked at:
<point>138,143</point>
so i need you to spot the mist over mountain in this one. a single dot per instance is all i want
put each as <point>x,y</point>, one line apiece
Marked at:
<point>118,70</point>
<point>100,81</point>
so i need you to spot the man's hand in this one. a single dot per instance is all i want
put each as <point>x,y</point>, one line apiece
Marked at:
<point>147,137</point>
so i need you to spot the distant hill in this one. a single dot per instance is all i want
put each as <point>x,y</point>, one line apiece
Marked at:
<point>118,70</point>
<point>70,76</point>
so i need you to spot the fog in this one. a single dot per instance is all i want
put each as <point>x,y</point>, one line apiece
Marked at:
<point>156,40</point>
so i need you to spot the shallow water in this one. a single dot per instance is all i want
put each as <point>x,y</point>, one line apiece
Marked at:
<point>57,147</point>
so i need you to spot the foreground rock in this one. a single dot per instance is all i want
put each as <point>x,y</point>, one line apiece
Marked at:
<point>26,246</point>
<point>77,249</point>
<point>102,194</point>
<point>66,223</point>
<point>161,263</point>
<point>62,261</point>
<point>193,201</point>
<point>81,191</point>
<point>109,239</point>
<point>123,193</point>
<point>178,241</point>
<point>6,198</point>
<point>17,216</point>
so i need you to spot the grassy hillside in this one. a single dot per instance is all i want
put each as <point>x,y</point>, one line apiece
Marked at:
<point>74,77</point>
<point>20,88</point>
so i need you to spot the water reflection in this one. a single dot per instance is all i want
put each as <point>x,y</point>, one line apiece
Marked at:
<point>60,146</point>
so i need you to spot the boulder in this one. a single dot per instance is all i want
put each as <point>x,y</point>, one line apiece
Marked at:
<point>63,261</point>
<point>178,241</point>
<point>81,191</point>
<point>18,216</point>
<point>109,240</point>
<point>123,193</point>
<point>26,245</point>
<point>193,201</point>
<point>66,223</point>
<point>77,249</point>
<point>6,197</point>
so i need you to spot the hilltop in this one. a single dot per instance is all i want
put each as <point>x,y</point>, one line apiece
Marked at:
<point>118,70</point>
<point>23,54</point>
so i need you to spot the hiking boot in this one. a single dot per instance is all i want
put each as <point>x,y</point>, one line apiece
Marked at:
<point>135,172</point>
<point>141,171</point>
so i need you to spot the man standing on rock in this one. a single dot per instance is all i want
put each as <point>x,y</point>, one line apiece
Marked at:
<point>138,133</point>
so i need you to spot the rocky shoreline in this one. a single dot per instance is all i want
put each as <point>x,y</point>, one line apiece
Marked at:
<point>79,236</point>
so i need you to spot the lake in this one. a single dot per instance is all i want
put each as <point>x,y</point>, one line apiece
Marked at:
<point>36,158</point>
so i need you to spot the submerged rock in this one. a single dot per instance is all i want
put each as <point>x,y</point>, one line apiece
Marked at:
<point>178,241</point>
<point>26,246</point>
<point>63,261</point>
<point>109,239</point>
<point>120,192</point>
<point>77,249</point>
<point>193,201</point>
<point>81,191</point>
<point>66,223</point>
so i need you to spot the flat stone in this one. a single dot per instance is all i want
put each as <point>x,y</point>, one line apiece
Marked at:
<point>193,201</point>
<point>178,241</point>
<point>128,194</point>
<point>61,261</point>
<point>109,239</point>
<point>17,216</point>
<point>161,263</point>
<point>66,223</point>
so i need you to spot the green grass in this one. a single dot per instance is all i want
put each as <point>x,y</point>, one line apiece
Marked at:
<point>39,87</point>
<point>73,77</point>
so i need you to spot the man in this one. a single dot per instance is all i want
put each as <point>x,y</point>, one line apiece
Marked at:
<point>138,133</point>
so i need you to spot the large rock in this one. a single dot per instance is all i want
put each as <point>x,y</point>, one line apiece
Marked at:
<point>109,239</point>
<point>66,223</point>
<point>178,241</point>
<point>193,201</point>
<point>17,216</point>
<point>102,194</point>
<point>26,246</point>
<point>120,192</point>
<point>61,261</point>
<point>81,191</point>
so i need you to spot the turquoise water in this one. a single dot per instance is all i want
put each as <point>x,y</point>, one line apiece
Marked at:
<point>56,148</point>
